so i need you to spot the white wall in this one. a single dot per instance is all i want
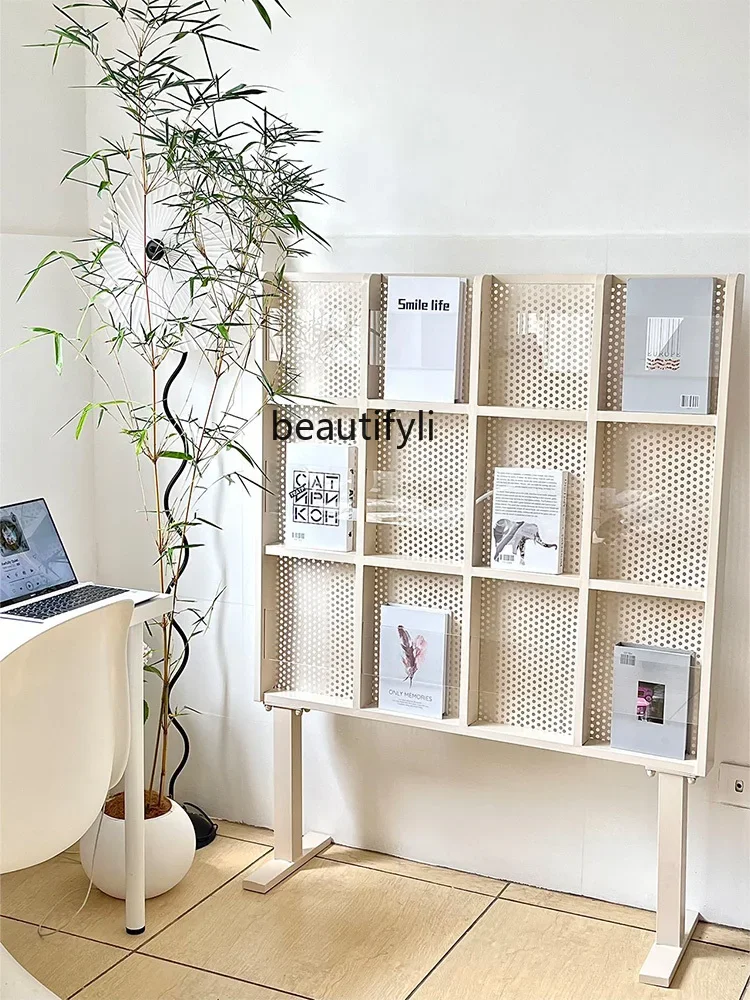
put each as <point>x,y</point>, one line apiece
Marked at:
<point>509,136</point>
<point>40,115</point>
<point>604,138</point>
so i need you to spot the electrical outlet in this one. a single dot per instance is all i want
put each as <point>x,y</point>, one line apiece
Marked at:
<point>734,785</point>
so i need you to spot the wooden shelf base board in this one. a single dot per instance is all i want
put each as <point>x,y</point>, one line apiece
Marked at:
<point>276,870</point>
<point>662,961</point>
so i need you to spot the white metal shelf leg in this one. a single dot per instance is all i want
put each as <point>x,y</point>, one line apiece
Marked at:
<point>291,848</point>
<point>674,926</point>
<point>134,782</point>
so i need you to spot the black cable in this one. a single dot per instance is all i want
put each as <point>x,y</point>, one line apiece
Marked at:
<point>182,564</point>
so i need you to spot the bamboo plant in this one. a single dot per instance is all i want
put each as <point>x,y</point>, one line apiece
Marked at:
<point>205,188</point>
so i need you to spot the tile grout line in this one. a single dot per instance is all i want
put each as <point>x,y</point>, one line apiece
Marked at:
<point>616,923</point>
<point>114,965</point>
<point>137,951</point>
<point>211,972</point>
<point>80,937</point>
<point>414,878</point>
<point>244,840</point>
<point>458,940</point>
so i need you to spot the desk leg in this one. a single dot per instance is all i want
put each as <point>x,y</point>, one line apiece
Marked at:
<point>674,926</point>
<point>291,848</point>
<point>135,822</point>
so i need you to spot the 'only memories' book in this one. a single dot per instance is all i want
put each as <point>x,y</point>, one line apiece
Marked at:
<point>319,496</point>
<point>528,520</point>
<point>413,656</point>
<point>424,348</point>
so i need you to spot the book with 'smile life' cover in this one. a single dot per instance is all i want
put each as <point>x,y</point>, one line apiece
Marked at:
<point>319,496</point>
<point>413,656</point>
<point>424,347</point>
<point>528,519</point>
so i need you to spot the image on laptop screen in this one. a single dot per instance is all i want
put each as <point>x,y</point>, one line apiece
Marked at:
<point>32,557</point>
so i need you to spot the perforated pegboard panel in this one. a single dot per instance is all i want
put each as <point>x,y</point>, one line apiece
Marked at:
<point>613,344</point>
<point>527,656</point>
<point>652,621</point>
<point>540,344</point>
<point>380,344</point>
<point>415,493</point>
<point>316,628</point>
<point>320,329</point>
<point>438,591</point>
<point>613,347</point>
<point>653,503</point>
<point>294,414</point>
<point>538,444</point>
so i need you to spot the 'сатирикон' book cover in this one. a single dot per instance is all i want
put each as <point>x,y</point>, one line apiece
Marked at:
<point>320,483</point>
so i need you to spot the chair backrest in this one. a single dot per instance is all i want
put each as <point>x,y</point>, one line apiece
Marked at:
<point>64,732</point>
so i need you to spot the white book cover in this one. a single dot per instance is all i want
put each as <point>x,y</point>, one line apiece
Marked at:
<point>528,519</point>
<point>424,338</point>
<point>413,656</point>
<point>319,496</point>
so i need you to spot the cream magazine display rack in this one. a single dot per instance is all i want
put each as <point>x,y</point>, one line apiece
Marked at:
<point>530,656</point>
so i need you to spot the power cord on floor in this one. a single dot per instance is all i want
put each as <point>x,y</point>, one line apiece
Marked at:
<point>44,931</point>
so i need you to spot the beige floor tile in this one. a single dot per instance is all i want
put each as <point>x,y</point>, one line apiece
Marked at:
<point>518,952</point>
<point>141,978</point>
<point>731,937</point>
<point>569,903</point>
<point>415,869</point>
<point>61,962</point>
<point>241,831</point>
<point>331,931</point>
<point>30,894</point>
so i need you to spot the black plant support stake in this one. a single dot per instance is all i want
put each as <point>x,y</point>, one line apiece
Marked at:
<point>204,826</point>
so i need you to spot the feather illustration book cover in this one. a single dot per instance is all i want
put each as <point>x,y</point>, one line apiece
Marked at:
<point>413,656</point>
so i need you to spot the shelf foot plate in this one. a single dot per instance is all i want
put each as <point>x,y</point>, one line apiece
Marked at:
<point>662,961</point>
<point>276,870</point>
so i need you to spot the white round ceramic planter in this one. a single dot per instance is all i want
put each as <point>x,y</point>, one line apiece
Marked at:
<point>170,849</point>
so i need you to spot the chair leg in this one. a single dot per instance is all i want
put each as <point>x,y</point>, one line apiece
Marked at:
<point>134,781</point>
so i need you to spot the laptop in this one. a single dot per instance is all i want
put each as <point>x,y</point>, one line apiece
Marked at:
<point>37,579</point>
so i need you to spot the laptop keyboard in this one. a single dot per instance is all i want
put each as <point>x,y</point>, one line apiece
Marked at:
<point>69,600</point>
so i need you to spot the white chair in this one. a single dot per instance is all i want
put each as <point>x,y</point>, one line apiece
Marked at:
<point>64,739</point>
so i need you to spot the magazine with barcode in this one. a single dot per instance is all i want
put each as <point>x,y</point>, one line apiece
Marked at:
<point>528,520</point>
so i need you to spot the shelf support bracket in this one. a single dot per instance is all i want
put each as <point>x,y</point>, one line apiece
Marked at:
<point>674,926</point>
<point>291,848</point>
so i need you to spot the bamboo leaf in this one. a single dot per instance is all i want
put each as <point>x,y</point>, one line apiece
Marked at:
<point>48,259</point>
<point>263,12</point>
<point>58,352</point>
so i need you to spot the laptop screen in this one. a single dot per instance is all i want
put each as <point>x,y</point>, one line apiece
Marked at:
<point>32,557</point>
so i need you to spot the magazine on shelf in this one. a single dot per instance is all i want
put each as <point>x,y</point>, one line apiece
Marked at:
<point>424,347</point>
<point>319,496</point>
<point>413,657</point>
<point>528,519</point>
<point>651,699</point>
<point>669,350</point>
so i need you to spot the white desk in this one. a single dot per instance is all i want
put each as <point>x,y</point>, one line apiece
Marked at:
<point>14,633</point>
